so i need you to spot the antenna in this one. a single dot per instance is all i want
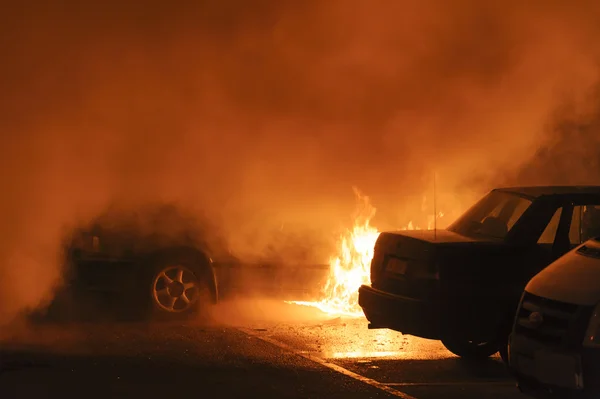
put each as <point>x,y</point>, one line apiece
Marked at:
<point>434,208</point>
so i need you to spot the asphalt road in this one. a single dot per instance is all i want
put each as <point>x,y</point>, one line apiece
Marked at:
<point>249,349</point>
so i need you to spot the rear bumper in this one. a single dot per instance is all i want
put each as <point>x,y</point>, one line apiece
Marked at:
<point>406,315</point>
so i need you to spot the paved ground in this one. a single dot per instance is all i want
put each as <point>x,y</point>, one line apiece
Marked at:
<point>249,349</point>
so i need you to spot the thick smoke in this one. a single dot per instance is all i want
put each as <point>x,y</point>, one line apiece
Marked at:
<point>262,115</point>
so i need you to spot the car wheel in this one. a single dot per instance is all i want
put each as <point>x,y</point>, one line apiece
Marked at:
<point>178,290</point>
<point>471,350</point>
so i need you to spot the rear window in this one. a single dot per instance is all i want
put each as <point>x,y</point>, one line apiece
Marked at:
<point>493,216</point>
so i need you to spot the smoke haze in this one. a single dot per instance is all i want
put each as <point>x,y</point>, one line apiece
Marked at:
<point>262,115</point>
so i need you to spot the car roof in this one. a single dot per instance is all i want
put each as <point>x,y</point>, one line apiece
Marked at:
<point>534,192</point>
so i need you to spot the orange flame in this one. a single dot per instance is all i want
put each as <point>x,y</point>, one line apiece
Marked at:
<point>350,268</point>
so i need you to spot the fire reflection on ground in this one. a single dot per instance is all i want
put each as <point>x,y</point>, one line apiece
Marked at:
<point>312,331</point>
<point>352,340</point>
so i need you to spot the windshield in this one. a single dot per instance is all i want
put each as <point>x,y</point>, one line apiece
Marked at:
<point>492,217</point>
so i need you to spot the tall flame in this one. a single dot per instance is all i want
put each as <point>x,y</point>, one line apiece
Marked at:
<point>350,268</point>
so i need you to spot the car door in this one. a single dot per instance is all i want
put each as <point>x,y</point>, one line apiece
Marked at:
<point>99,261</point>
<point>562,242</point>
<point>550,244</point>
<point>571,225</point>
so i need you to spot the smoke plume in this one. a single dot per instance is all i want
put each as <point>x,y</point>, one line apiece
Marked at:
<point>262,115</point>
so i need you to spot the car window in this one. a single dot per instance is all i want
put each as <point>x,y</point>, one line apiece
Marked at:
<point>549,233</point>
<point>575,230</point>
<point>493,216</point>
<point>85,242</point>
<point>517,213</point>
<point>585,223</point>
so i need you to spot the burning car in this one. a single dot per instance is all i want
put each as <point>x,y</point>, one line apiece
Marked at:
<point>161,259</point>
<point>462,285</point>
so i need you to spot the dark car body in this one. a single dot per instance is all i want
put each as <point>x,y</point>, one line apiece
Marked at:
<point>463,284</point>
<point>115,256</point>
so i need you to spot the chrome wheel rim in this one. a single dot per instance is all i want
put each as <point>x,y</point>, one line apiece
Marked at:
<point>175,289</point>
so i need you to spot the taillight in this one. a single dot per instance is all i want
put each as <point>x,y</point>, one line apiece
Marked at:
<point>376,266</point>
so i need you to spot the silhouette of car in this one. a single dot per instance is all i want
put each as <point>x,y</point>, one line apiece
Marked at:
<point>161,260</point>
<point>462,285</point>
<point>555,342</point>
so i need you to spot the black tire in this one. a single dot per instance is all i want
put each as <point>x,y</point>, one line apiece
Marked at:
<point>179,288</point>
<point>504,334</point>
<point>470,350</point>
